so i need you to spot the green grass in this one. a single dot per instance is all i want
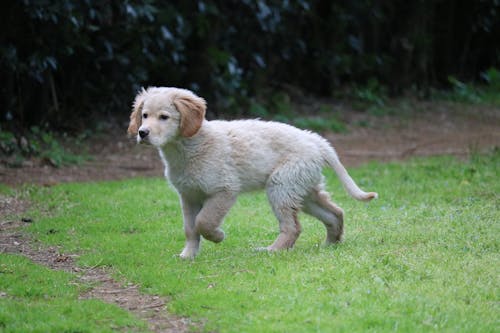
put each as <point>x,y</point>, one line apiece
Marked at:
<point>37,299</point>
<point>423,257</point>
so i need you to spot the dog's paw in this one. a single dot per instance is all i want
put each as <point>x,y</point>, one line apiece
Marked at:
<point>188,253</point>
<point>215,236</point>
<point>273,249</point>
<point>265,249</point>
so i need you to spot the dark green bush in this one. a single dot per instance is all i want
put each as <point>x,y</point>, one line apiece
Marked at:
<point>41,144</point>
<point>64,61</point>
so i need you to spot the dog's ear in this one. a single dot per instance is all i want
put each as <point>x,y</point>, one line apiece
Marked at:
<point>192,110</point>
<point>136,115</point>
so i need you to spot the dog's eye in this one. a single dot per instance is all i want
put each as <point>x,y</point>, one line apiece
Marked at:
<point>145,115</point>
<point>163,117</point>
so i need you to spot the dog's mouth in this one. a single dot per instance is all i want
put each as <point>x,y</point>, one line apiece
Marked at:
<point>143,141</point>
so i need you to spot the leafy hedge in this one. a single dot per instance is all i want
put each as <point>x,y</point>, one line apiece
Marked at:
<point>64,60</point>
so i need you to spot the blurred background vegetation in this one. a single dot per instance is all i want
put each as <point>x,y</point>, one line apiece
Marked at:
<point>63,62</point>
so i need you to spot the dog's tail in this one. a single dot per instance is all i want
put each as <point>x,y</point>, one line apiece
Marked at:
<point>354,191</point>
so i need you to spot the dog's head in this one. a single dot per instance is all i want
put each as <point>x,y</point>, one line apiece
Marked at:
<point>160,115</point>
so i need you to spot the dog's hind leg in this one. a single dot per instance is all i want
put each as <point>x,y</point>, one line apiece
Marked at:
<point>287,187</point>
<point>319,205</point>
<point>212,214</point>
<point>286,206</point>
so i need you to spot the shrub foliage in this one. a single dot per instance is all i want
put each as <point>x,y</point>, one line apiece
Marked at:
<point>63,60</point>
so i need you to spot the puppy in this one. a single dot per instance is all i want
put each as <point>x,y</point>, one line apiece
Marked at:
<point>210,162</point>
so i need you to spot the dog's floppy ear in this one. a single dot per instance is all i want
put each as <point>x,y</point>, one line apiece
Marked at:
<point>136,115</point>
<point>192,110</point>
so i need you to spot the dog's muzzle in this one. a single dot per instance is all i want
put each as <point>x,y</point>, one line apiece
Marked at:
<point>143,136</point>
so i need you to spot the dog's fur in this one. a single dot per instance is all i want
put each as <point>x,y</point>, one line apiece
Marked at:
<point>211,162</point>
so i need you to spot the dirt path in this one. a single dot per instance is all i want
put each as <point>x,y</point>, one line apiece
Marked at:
<point>150,308</point>
<point>447,129</point>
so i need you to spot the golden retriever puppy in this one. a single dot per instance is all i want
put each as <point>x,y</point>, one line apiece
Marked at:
<point>210,162</point>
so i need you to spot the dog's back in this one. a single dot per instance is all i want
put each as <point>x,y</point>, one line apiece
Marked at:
<point>257,148</point>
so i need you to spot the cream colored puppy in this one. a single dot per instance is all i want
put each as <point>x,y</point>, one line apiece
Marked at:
<point>211,162</point>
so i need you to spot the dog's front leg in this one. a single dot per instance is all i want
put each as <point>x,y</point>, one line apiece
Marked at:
<point>190,209</point>
<point>212,214</point>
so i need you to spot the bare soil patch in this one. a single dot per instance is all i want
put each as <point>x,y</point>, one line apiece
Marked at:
<point>433,129</point>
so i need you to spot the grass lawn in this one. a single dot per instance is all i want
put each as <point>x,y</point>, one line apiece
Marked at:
<point>423,257</point>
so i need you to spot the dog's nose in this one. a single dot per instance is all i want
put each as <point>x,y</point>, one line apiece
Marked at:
<point>143,133</point>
